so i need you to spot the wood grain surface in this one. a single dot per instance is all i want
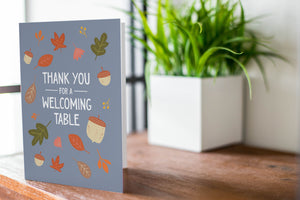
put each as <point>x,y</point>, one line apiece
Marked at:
<point>236,172</point>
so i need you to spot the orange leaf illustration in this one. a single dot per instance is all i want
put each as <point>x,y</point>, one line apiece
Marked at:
<point>99,164</point>
<point>76,142</point>
<point>39,37</point>
<point>104,163</point>
<point>56,165</point>
<point>107,161</point>
<point>44,61</point>
<point>34,116</point>
<point>105,167</point>
<point>58,42</point>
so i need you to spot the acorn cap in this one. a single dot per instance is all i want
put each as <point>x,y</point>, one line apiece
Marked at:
<point>97,121</point>
<point>39,156</point>
<point>103,73</point>
<point>28,53</point>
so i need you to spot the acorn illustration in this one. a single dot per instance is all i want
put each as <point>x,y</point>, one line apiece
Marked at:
<point>104,77</point>
<point>95,129</point>
<point>28,56</point>
<point>39,159</point>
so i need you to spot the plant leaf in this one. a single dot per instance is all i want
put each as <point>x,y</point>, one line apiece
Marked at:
<point>84,169</point>
<point>34,132</point>
<point>245,72</point>
<point>30,94</point>
<point>35,140</point>
<point>41,138</point>
<point>99,164</point>
<point>43,130</point>
<point>105,167</point>
<point>107,161</point>
<point>77,143</point>
<point>99,47</point>
<point>56,165</point>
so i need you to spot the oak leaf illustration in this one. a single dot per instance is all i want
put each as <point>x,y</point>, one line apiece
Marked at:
<point>99,47</point>
<point>58,42</point>
<point>39,133</point>
<point>56,165</point>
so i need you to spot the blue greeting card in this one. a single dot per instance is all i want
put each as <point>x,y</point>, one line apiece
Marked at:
<point>72,83</point>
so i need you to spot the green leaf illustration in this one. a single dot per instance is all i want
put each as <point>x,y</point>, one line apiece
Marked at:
<point>39,133</point>
<point>33,132</point>
<point>43,129</point>
<point>99,47</point>
<point>35,140</point>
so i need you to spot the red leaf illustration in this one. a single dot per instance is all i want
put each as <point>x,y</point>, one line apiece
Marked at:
<point>44,61</point>
<point>77,53</point>
<point>76,142</point>
<point>58,42</point>
<point>56,165</point>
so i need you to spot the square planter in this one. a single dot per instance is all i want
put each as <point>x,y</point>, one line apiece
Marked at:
<point>195,114</point>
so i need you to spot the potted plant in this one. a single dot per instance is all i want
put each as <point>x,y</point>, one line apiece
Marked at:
<point>195,79</point>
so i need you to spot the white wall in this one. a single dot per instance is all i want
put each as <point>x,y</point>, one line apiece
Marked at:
<point>271,119</point>
<point>11,13</point>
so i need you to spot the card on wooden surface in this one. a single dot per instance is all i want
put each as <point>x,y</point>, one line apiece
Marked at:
<point>72,85</point>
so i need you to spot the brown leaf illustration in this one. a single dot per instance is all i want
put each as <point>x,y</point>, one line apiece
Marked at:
<point>84,169</point>
<point>30,93</point>
<point>76,142</point>
<point>40,33</point>
<point>56,165</point>
<point>45,61</point>
<point>36,36</point>
<point>42,38</point>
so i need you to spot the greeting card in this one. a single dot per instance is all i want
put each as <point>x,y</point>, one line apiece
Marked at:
<point>72,85</point>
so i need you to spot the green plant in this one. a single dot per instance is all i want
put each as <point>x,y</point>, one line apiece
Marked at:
<point>205,39</point>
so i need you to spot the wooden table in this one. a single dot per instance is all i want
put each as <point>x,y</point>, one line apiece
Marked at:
<point>236,172</point>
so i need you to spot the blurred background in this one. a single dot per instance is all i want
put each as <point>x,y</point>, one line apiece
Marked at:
<point>271,118</point>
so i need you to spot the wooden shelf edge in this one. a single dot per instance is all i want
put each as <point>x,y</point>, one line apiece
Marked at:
<point>25,190</point>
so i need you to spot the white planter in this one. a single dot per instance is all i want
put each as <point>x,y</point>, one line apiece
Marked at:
<point>195,114</point>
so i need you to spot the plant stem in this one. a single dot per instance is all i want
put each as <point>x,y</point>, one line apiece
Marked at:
<point>48,123</point>
<point>99,154</point>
